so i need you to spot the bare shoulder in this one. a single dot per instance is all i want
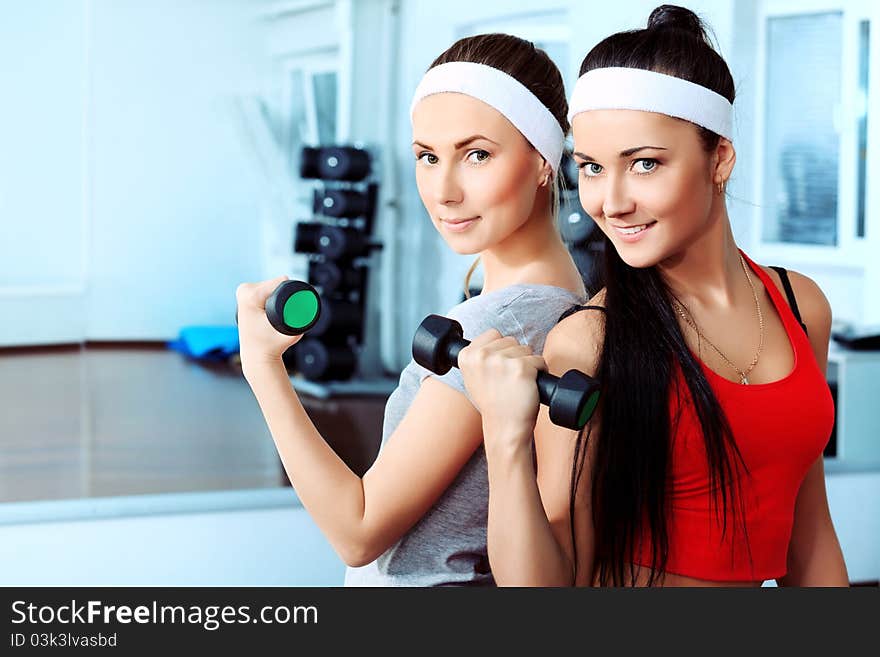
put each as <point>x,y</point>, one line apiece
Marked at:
<point>812,302</point>
<point>576,341</point>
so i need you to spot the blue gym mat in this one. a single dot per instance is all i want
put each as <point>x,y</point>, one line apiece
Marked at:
<point>207,342</point>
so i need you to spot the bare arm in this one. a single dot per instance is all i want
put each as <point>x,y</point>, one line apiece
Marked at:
<point>814,554</point>
<point>360,517</point>
<point>529,530</point>
<point>523,542</point>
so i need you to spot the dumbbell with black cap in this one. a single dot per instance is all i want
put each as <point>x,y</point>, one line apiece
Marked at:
<point>330,277</point>
<point>572,398</point>
<point>334,163</point>
<point>336,242</point>
<point>341,203</point>
<point>318,361</point>
<point>293,308</point>
<point>305,236</point>
<point>339,318</point>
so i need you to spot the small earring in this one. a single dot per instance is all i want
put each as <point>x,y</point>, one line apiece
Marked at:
<point>546,180</point>
<point>721,187</point>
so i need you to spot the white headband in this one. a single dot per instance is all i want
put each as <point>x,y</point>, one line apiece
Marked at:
<point>648,91</point>
<point>504,93</point>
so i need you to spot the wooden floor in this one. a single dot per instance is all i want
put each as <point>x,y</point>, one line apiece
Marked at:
<point>119,420</point>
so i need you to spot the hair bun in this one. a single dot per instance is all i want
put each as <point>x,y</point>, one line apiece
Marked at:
<point>677,18</point>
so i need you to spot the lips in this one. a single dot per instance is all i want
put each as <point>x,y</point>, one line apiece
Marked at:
<point>633,228</point>
<point>632,232</point>
<point>458,225</point>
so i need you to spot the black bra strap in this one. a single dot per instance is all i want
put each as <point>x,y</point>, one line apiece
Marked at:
<point>789,293</point>
<point>574,309</point>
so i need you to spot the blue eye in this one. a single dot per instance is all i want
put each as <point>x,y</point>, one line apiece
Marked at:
<point>591,169</point>
<point>645,165</point>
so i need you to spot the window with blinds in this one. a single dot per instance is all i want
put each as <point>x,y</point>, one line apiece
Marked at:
<point>802,128</point>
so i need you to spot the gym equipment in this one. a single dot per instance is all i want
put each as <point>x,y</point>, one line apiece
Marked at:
<point>335,163</point>
<point>335,242</point>
<point>330,277</point>
<point>339,318</point>
<point>293,308</point>
<point>317,361</point>
<point>305,238</point>
<point>341,203</point>
<point>572,398</point>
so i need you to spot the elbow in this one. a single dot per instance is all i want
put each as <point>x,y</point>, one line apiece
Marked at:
<point>358,553</point>
<point>354,558</point>
<point>361,542</point>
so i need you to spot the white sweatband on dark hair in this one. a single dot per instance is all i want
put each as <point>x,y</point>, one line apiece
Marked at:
<point>649,91</point>
<point>502,92</point>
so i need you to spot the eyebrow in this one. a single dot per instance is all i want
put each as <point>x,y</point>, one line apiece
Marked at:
<point>626,153</point>
<point>460,144</point>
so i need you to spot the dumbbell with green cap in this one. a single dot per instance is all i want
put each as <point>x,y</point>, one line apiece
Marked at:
<point>293,308</point>
<point>572,398</point>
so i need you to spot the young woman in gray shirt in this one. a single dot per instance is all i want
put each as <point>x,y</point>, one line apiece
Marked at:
<point>489,119</point>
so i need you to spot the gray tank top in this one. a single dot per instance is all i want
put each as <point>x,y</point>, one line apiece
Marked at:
<point>447,547</point>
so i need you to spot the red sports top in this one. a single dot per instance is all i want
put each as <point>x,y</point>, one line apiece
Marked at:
<point>780,428</point>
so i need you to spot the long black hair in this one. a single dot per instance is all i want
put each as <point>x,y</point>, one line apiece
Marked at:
<point>644,346</point>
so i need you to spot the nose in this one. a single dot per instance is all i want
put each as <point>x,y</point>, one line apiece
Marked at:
<point>448,190</point>
<point>617,201</point>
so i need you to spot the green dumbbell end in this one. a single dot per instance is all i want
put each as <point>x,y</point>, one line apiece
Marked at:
<point>588,408</point>
<point>300,309</point>
<point>293,308</point>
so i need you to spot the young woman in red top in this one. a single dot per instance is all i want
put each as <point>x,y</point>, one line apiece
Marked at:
<point>703,462</point>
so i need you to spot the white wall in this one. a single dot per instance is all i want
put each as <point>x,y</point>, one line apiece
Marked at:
<point>854,502</point>
<point>42,69</point>
<point>43,75</point>
<point>127,205</point>
<point>256,547</point>
<point>173,226</point>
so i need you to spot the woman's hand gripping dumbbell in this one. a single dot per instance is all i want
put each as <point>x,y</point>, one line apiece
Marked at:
<point>571,398</point>
<point>272,316</point>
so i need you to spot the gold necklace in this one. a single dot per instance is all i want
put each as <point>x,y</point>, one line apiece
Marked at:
<point>743,375</point>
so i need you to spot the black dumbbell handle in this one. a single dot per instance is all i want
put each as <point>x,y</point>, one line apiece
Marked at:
<point>546,382</point>
<point>571,398</point>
